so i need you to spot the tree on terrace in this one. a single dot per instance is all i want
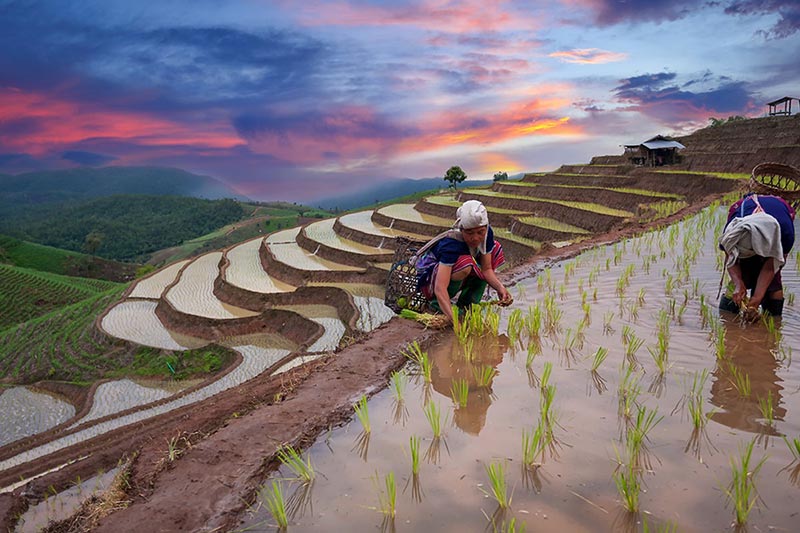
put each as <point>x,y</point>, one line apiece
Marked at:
<point>500,176</point>
<point>455,176</point>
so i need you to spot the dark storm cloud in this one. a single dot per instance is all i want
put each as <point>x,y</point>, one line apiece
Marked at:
<point>610,12</point>
<point>89,159</point>
<point>787,10</point>
<point>653,90</point>
<point>152,69</point>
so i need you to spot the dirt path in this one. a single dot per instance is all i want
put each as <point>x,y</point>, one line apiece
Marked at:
<point>230,439</point>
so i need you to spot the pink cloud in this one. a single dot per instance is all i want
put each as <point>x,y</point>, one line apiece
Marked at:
<point>46,123</point>
<point>592,56</point>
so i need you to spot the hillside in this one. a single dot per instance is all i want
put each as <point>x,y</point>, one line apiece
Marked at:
<point>122,227</point>
<point>27,294</point>
<point>34,256</point>
<point>35,188</point>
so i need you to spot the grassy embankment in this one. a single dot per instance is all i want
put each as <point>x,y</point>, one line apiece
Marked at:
<point>64,345</point>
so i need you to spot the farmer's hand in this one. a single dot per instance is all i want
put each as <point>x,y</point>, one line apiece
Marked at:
<point>750,314</point>
<point>739,292</point>
<point>505,297</point>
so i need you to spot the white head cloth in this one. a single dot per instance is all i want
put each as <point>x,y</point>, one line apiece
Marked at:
<point>471,214</point>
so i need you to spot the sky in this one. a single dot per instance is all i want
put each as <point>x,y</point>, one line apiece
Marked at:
<point>303,100</point>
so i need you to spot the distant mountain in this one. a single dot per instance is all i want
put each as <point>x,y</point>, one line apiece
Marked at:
<point>84,183</point>
<point>389,190</point>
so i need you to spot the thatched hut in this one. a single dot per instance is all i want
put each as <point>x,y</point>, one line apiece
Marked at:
<point>654,152</point>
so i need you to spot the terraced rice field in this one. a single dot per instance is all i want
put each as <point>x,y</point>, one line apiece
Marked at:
<point>455,204</point>
<point>327,317</point>
<point>586,206</point>
<point>322,232</point>
<point>255,361</point>
<point>194,292</point>
<point>362,222</point>
<point>153,286</point>
<point>407,212</point>
<point>245,270</point>
<point>116,396</point>
<point>549,223</point>
<point>26,412</point>
<point>136,321</point>
<point>290,253</point>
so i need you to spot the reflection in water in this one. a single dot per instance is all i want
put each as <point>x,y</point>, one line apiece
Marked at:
<point>450,364</point>
<point>361,445</point>
<point>749,351</point>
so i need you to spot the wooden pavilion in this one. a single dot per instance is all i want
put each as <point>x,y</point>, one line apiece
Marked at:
<point>654,152</point>
<point>786,102</point>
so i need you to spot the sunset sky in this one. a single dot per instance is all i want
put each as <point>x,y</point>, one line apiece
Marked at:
<point>291,100</point>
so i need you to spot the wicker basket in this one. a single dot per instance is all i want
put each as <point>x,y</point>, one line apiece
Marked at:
<point>776,179</point>
<point>402,279</point>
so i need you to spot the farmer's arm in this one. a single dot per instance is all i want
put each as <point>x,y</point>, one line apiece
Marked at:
<point>764,279</point>
<point>491,279</point>
<point>440,290</point>
<point>739,289</point>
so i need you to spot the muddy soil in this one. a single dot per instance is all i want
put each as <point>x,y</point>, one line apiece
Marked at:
<point>229,440</point>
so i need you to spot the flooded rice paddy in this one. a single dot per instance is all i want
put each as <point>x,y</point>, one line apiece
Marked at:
<point>702,386</point>
<point>28,412</point>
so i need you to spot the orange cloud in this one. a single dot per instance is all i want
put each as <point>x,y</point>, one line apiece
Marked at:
<point>491,162</point>
<point>37,123</point>
<point>589,56</point>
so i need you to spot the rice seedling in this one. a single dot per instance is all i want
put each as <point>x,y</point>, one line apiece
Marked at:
<point>533,444</point>
<point>627,332</point>
<point>433,321</point>
<point>546,398</point>
<point>387,495</point>
<point>608,317</point>
<point>633,345</point>
<point>514,327</point>
<point>794,447</point>
<point>599,356</point>
<point>484,375</point>
<point>413,444</point>
<point>594,294</point>
<point>173,451</point>
<point>276,504</point>
<point>772,329</point>
<point>628,392</point>
<point>498,485</point>
<point>629,486</point>
<point>660,354</point>
<point>553,314</point>
<point>719,341</point>
<point>413,352</point>
<point>398,382</point>
<point>291,459</point>
<point>548,368</point>
<point>740,380</point>
<point>644,422</point>
<point>534,349</point>
<point>533,321</point>
<point>434,416</point>
<point>790,298</point>
<point>362,412</point>
<point>459,391</point>
<point>742,492</point>
<point>767,408</point>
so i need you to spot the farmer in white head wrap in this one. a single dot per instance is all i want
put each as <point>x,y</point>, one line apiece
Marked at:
<point>461,261</point>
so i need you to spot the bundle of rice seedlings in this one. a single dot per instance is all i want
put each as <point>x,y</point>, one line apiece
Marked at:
<point>429,320</point>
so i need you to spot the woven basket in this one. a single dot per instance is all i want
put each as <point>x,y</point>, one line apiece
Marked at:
<point>776,179</point>
<point>402,279</point>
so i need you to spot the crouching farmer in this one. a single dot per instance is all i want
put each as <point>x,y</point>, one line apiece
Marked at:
<point>461,261</point>
<point>757,240</point>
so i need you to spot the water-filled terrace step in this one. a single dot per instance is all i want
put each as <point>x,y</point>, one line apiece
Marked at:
<point>284,259</point>
<point>321,239</point>
<point>244,270</point>
<point>406,218</point>
<point>592,217</point>
<point>360,227</point>
<point>626,198</point>
<point>153,285</point>
<point>446,207</point>
<point>136,321</point>
<point>547,229</point>
<point>595,169</point>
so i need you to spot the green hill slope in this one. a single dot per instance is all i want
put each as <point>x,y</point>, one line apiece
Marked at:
<point>122,227</point>
<point>26,293</point>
